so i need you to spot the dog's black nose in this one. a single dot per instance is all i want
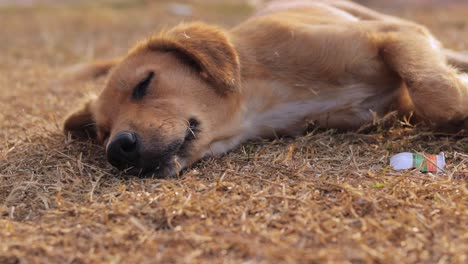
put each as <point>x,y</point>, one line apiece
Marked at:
<point>122,151</point>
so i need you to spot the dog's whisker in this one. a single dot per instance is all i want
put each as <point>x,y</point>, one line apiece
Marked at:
<point>191,131</point>
<point>90,124</point>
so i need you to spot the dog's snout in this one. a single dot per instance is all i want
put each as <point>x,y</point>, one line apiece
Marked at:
<point>122,151</point>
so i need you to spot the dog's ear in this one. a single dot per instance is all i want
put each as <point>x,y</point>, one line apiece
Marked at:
<point>81,124</point>
<point>206,47</point>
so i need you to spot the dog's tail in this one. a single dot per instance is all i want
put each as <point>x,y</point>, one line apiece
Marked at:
<point>88,71</point>
<point>457,59</point>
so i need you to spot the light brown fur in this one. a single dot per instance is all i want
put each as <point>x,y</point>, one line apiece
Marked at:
<point>331,62</point>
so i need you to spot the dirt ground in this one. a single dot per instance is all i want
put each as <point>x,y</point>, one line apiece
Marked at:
<point>325,197</point>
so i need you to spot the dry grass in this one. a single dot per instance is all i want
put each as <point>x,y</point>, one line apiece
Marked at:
<point>325,197</point>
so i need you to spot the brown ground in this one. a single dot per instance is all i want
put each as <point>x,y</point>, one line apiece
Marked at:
<point>323,197</point>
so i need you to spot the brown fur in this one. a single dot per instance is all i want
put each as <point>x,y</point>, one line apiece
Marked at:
<point>208,47</point>
<point>331,62</point>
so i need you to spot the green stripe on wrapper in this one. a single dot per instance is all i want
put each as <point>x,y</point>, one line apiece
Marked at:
<point>419,162</point>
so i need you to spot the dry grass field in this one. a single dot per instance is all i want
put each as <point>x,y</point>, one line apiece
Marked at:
<point>325,197</point>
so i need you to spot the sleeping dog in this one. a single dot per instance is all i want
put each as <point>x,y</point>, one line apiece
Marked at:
<point>198,90</point>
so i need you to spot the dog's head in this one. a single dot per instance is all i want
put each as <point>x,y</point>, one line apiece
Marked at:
<point>164,104</point>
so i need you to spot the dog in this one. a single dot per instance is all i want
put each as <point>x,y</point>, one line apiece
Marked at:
<point>198,90</point>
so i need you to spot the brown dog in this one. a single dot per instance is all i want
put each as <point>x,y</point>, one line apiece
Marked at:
<point>198,90</point>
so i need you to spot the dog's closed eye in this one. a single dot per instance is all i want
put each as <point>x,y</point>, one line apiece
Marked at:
<point>142,88</point>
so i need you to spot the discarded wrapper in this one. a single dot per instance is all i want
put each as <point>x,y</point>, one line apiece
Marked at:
<point>425,163</point>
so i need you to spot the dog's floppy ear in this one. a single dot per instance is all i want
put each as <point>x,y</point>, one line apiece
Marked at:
<point>206,47</point>
<point>81,124</point>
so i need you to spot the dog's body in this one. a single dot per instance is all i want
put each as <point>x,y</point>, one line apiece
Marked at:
<point>197,90</point>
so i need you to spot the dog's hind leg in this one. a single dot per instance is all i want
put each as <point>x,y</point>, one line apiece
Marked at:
<point>438,91</point>
<point>457,59</point>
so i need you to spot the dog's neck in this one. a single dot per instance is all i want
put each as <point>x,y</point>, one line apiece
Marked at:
<point>266,108</point>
